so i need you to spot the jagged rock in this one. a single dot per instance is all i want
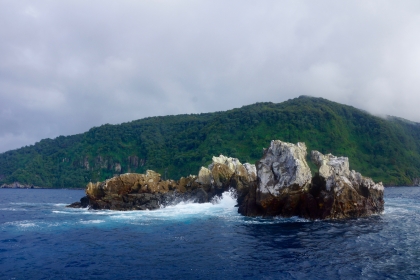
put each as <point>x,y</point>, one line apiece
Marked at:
<point>344,193</point>
<point>204,176</point>
<point>231,163</point>
<point>282,175</point>
<point>132,191</point>
<point>283,165</point>
<point>221,175</point>
<point>95,190</point>
<point>84,202</point>
<point>416,182</point>
<point>222,169</point>
<point>329,164</point>
<point>286,188</point>
<point>227,171</point>
<point>17,185</point>
<point>251,171</point>
<point>189,183</point>
<point>280,184</point>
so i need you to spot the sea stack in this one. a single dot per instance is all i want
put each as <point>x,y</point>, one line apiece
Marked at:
<point>285,186</point>
<point>280,184</point>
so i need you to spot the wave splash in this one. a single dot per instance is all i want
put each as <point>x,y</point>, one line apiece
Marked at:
<point>223,207</point>
<point>220,208</point>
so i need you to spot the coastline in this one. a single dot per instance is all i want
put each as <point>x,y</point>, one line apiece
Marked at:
<point>40,188</point>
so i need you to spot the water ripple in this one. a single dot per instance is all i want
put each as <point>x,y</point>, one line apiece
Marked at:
<point>204,241</point>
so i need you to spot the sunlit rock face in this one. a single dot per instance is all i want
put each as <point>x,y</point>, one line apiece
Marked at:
<point>130,191</point>
<point>204,176</point>
<point>330,165</point>
<point>220,171</point>
<point>133,191</point>
<point>227,172</point>
<point>251,171</point>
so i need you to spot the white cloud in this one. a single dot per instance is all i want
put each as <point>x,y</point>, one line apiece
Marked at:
<point>66,66</point>
<point>326,79</point>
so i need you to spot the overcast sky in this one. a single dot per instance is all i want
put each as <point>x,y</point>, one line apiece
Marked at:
<point>66,66</point>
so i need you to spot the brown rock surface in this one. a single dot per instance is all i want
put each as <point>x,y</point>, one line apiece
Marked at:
<point>132,191</point>
<point>344,193</point>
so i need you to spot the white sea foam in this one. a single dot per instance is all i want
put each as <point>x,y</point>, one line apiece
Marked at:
<point>222,208</point>
<point>276,220</point>
<point>25,203</point>
<point>11,209</point>
<point>21,224</point>
<point>25,225</point>
<point>87,222</point>
<point>60,204</point>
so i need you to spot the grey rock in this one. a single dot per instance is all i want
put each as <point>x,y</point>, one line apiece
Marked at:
<point>283,165</point>
<point>285,187</point>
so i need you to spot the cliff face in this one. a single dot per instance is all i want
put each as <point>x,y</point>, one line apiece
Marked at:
<point>17,185</point>
<point>281,184</point>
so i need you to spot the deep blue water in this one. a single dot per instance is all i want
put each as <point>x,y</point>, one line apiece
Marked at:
<point>41,239</point>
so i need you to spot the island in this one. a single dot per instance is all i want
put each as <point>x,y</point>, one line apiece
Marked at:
<point>279,184</point>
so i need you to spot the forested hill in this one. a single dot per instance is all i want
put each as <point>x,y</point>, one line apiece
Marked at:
<point>387,150</point>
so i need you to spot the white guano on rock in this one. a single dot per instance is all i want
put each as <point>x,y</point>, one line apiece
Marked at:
<point>283,165</point>
<point>336,170</point>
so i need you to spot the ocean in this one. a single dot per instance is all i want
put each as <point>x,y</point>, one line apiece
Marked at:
<point>42,239</point>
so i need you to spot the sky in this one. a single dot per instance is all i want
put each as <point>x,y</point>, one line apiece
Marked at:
<point>69,65</point>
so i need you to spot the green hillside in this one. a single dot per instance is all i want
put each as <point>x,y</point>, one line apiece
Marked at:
<point>387,150</point>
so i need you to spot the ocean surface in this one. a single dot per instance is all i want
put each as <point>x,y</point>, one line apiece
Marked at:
<point>42,239</point>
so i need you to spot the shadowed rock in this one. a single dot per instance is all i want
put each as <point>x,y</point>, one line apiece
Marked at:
<point>283,175</point>
<point>341,193</point>
<point>286,188</point>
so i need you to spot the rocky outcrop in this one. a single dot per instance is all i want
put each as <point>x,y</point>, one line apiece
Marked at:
<point>130,191</point>
<point>416,182</point>
<point>280,184</point>
<point>286,188</point>
<point>133,191</point>
<point>17,185</point>
<point>341,193</point>
<point>283,174</point>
